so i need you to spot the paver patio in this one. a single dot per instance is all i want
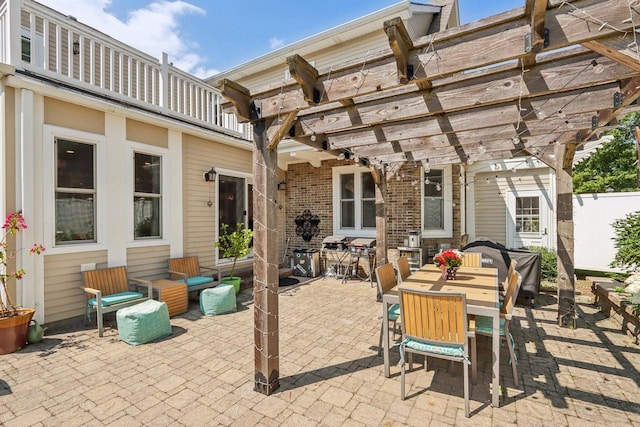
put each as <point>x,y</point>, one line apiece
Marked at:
<point>331,374</point>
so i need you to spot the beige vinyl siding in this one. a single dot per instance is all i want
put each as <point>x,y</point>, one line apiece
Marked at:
<point>148,262</point>
<point>148,134</point>
<point>64,114</point>
<point>491,198</point>
<point>199,155</point>
<point>322,60</point>
<point>62,297</point>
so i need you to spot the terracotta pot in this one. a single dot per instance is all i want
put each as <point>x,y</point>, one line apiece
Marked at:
<point>14,329</point>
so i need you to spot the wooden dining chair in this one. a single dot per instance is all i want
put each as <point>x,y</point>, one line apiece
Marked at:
<point>402,266</point>
<point>435,324</point>
<point>472,259</point>
<point>484,325</point>
<point>386,277</point>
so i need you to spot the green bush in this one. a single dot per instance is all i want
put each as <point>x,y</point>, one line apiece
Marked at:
<point>549,262</point>
<point>627,241</point>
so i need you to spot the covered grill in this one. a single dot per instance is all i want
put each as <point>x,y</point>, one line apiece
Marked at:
<point>528,264</point>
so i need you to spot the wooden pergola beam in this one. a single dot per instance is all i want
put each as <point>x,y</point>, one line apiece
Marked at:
<point>307,77</point>
<point>495,40</point>
<point>543,79</point>
<point>401,46</point>
<point>239,96</point>
<point>619,47</point>
<point>537,10</point>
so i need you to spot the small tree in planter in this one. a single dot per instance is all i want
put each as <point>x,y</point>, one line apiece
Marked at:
<point>233,245</point>
<point>14,320</point>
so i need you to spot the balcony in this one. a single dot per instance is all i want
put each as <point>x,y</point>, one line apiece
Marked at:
<point>40,41</point>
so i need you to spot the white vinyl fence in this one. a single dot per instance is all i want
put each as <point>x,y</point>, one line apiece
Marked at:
<point>593,215</point>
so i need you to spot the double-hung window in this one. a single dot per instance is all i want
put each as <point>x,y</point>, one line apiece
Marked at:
<point>437,211</point>
<point>147,196</point>
<point>527,214</point>
<point>75,192</point>
<point>354,201</point>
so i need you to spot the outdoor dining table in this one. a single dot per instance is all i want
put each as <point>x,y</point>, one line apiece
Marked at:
<point>480,285</point>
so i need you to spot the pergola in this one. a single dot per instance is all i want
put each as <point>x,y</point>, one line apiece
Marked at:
<point>538,81</point>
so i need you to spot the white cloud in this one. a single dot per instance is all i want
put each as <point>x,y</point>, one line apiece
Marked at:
<point>275,42</point>
<point>152,29</point>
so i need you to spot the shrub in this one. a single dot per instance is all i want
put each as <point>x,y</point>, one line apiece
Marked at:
<point>549,262</point>
<point>627,241</point>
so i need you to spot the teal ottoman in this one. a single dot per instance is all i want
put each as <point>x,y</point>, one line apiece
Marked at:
<point>218,300</point>
<point>143,322</point>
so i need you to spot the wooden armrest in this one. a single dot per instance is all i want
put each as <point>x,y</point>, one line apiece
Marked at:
<point>183,275</point>
<point>90,290</point>
<point>147,283</point>
<point>214,269</point>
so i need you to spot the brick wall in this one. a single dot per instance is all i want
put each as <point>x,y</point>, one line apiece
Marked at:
<point>311,188</point>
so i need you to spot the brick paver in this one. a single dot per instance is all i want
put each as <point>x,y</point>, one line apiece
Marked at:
<point>330,372</point>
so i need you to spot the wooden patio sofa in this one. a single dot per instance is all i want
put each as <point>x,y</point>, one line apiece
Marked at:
<point>108,290</point>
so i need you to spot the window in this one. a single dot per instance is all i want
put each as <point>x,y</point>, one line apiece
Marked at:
<point>354,201</point>
<point>75,193</point>
<point>147,196</point>
<point>437,211</point>
<point>527,214</point>
<point>26,48</point>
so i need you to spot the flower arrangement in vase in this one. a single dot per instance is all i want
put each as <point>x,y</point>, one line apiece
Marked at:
<point>449,261</point>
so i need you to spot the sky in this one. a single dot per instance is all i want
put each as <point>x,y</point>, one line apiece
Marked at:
<point>204,37</point>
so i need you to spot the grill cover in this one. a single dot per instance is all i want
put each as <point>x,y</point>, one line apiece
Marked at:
<point>528,263</point>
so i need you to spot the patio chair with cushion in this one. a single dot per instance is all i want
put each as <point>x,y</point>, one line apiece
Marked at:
<point>435,324</point>
<point>108,290</point>
<point>386,277</point>
<point>484,325</point>
<point>188,270</point>
<point>404,271</point>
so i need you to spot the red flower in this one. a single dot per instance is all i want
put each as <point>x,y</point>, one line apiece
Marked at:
<point>450,258</point>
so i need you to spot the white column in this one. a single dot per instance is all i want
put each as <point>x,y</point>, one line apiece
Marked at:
<point>14,34</point>
<point>116,214</point>
<point>3,159</point>
<point>173,225</point>
<point>26,198</point>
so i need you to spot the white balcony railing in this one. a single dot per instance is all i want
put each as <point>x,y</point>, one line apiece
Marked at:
<point>42,41</point>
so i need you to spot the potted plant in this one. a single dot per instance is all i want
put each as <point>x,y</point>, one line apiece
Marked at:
<point>233,245</point>
<point>14,320</point>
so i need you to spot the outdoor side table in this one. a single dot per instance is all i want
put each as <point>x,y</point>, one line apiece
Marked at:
<point>173,293</point>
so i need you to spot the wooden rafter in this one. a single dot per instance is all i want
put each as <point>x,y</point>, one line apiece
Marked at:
<point>239,96</point>
<point>401,46</point>
<point>491,41</point>
<point>306,76</point>
<point>537,10</point>
<point>619,47</point>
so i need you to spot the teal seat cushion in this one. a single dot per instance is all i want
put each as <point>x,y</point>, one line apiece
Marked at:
<point>484,325</point>
<point>218,300</point>
<point>445,350</point>
<point>144,322</point>
<point>115,299</point>
<point>394,312</point>
<point>197,280</point>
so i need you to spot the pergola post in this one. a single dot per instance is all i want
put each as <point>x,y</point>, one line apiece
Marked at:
<point>265,263</point>
<point>381,217</point>
<point>565,242</point>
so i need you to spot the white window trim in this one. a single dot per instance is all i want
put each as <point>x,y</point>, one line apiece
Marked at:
<point>511,214</point>
<point>447,194</point>
<point>50,133</point>
<point>163,153</point>
<point>357,231</point>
